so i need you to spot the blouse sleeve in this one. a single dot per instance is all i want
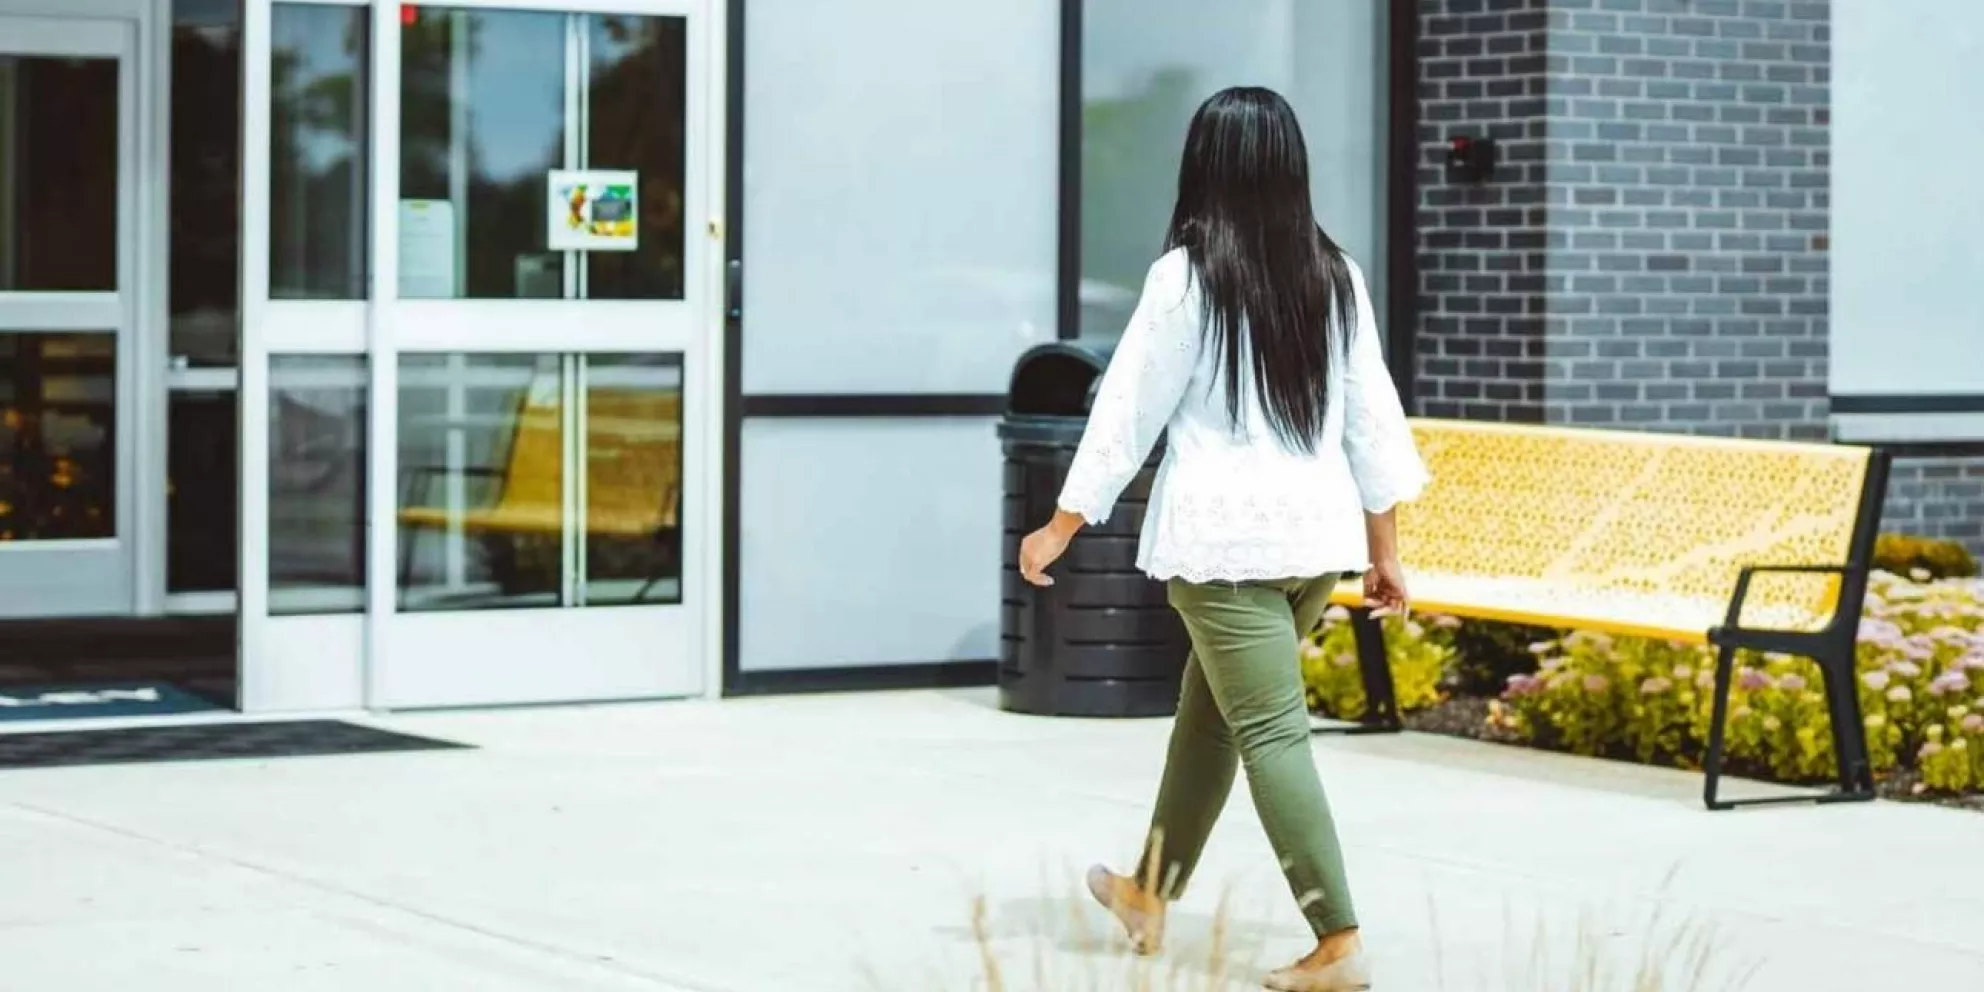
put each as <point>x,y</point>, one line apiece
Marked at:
<point>1383,458</point>
<point>1139,392</point>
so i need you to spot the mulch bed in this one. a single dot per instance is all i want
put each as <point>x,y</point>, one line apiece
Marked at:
<point>1467,716</point>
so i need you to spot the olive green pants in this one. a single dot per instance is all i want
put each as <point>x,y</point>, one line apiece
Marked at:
<point>1242,706</point>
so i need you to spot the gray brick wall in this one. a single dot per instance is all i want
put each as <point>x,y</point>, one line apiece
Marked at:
<point>1687,167</point>
<point>1481,248</point>
<point>1652,252</point>
<point>1938,492</point>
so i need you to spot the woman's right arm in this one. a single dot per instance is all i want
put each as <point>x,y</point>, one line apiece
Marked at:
<point>1140,391</point>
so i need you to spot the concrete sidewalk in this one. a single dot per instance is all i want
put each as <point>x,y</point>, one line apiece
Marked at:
<point>838,843</point>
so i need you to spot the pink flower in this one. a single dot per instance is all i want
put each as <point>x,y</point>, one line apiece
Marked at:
<point>1684,672</point>
<point>1523,685</point>
<point>1876,679</point>
<point>1791,682</point>
<point>1543,647</point>
<point>1344,660</point>
<point>1336,614</point>
<point>1445,622</point>
<point>1973,723</point>
<point>1752,679</point>
<point>1906,669</point>
<point>1930,749</point>
<point>1900,694</point>
<point>1948,682</point>
<point>1596,683</point>
<point>1655,685</point>
<point>1882,632</point>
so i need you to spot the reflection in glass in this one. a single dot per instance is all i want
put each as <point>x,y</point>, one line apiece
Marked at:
<point>317,129</point>
<point>58,444</point>
<point>205,255</point>
<point>485,118</point>
<point>492,513</point>
<point>317,423</point>
<point>202,491</point>
<point>633,481</point>
<point>482,122</point>
<point>1146,66</point>
<point>58,174</point>
<point>481,449</point>
<point>636,102</point>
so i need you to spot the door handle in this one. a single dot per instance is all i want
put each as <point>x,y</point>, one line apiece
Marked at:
<point>734,289</point>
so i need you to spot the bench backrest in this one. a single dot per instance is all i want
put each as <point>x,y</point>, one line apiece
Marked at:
<point>1657,514</point>
<point>633,450</point>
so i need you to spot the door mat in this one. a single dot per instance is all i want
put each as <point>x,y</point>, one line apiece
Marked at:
<point>98,699</point>
<point>207,742</point>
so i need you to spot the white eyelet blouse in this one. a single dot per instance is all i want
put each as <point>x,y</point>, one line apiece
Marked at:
<point>1232,503</point>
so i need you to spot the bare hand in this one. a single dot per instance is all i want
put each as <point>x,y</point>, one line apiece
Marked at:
<point>1041,549</point>
<point>1384,588</point>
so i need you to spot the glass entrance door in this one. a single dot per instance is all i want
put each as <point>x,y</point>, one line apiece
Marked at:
<point>67,317</point>
<point>510,348</point>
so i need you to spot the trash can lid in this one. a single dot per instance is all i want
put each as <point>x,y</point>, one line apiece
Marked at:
<point>1059,378</point>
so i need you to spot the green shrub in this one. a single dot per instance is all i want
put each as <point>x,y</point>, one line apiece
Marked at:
<point>1420,650</point>
<point>1924,558</point>
<point>1921,687</point>
<point>1487,653</point>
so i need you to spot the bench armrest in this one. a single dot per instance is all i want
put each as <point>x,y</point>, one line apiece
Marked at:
<point>419,478</point>
<point>1733,621</point>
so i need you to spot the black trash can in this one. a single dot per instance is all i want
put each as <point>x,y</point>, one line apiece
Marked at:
<point>1101,641</point>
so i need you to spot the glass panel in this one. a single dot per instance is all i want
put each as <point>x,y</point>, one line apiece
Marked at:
<point>489,516</point>
<point>1147,65</point>
<point>205,256</point>
<point>487,115</point>
<point>317,424</point>
<point>483,122</point>
<point>636,101</point>
<point>318,148</point>
<point>481,451</point>
<point>58,438</point>
<point>901,195</point>
<point>633,487</point>
<point>817,592</point>
<point>58,174</point>
<point>202,503</point>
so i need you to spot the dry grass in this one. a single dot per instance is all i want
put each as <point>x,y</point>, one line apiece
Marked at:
<point>1070,946</point>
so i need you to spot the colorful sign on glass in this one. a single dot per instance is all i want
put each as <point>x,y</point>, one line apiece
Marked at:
<point>594,210</point>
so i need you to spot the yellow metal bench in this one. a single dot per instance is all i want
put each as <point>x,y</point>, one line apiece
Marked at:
<point>633,448</point>
<point>1740,544</point>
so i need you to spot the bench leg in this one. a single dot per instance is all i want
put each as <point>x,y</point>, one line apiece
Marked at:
<point>1849,734</point>
<point>1381,714</point>
<point>1849,726</point>
<point>1725,665</point>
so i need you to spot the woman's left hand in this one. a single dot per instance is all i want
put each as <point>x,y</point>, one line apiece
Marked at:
<point>1384,588</point>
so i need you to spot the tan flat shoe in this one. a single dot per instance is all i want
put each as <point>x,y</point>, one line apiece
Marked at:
<point>1141,914</point>
<point>1346,974</point>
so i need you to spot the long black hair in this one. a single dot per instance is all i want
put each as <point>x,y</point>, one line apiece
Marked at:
<point>1262,263</point>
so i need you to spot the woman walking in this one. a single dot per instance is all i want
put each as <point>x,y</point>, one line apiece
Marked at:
<point>1254,350</point>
